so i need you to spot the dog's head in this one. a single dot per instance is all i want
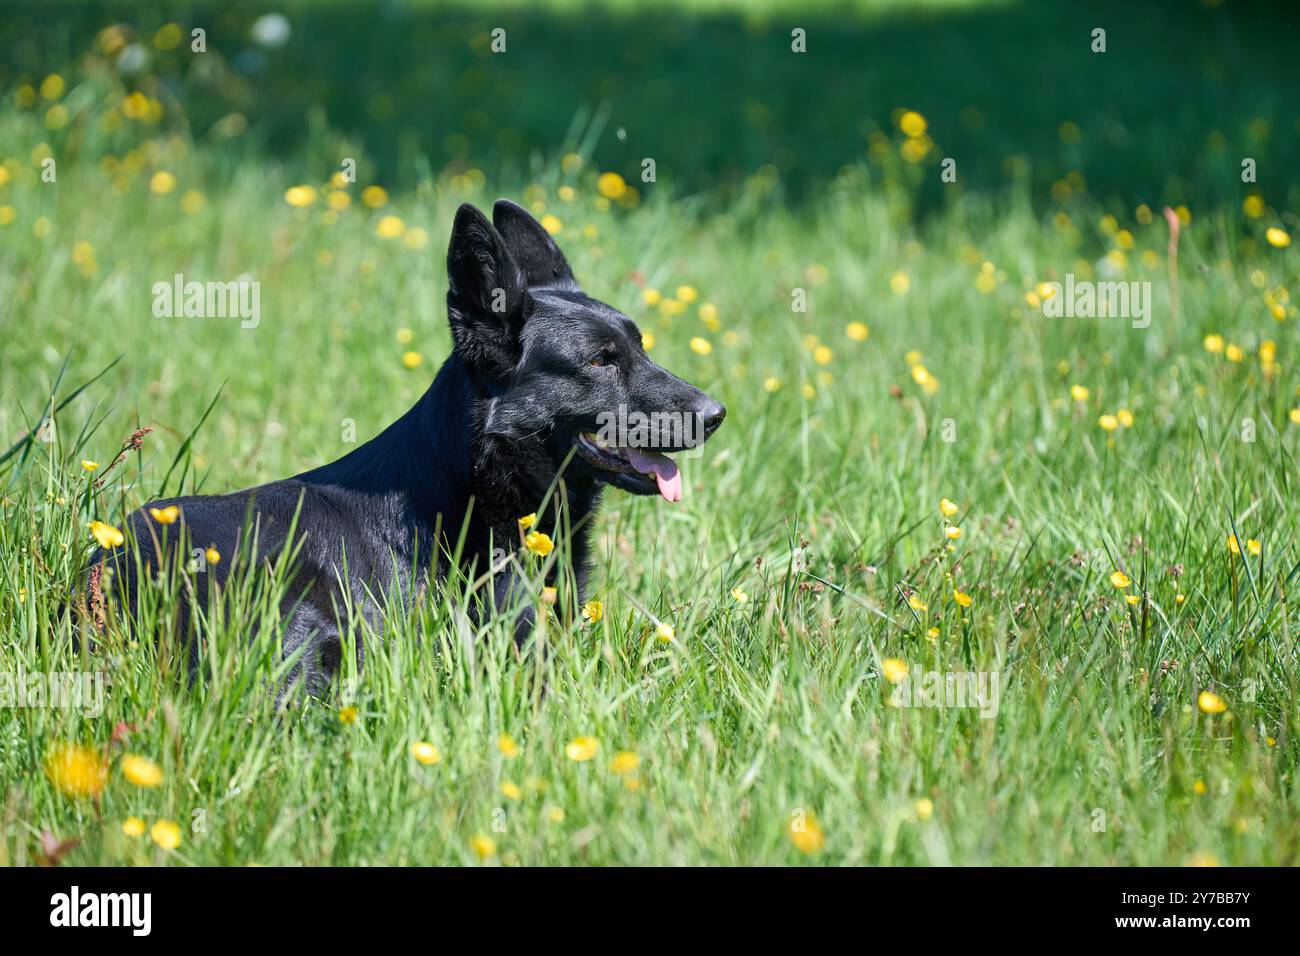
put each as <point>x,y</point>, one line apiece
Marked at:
<point>561,369</point>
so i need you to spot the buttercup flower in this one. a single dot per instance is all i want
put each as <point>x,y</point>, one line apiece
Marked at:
<point>141,771</point>
<point>106,535</point>
<point>665,633</point>
<point>539,543</point>
<point>1119,579</point>
<point>593,611</point>
<point>962,598</point>
<point>133,826</point>
<point>625,761</point>
<point>806,833</point>
<point>894,669</point>
<point>426,753</point>
<point>483,846</point>
<point>507,746</point>
<point>167,515</point>
<point>1210,702</point>
<point>947,507</point>
<point>76,771</point>
<point>1278,238</point>
<point>166,834</point>
<point>581,749</point>
<point>300,196</point>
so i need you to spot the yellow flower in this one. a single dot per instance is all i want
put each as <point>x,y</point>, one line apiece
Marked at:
<point>952,531</point>
<point>924,808</point>
<point>894,669</point>
<point>412,359</point>
<point>1253,206</point>
<point>192,202</point>
<point>76,771</point>
<point>141,771</point>
<point>593,611</point>
<point>106,535</point>
<point>426,753</point>
<point>539,543</point>
<point>300,196</point>
<point>857,331</point>
<point>1199,787</point>
<point>415,238</point>
<point>947,507</point>
<point>665,633</point>
<point>167,515</point>
<point>166,834</point>
<point>701,346</point>
<point>1119,579</point>
<point>1233,545</point>
<point>1210,702</point>
<point>932,633</point>
<point>1079,393</point>
<point>212,556</point>
<point>1278,238</point>
<point>347,715</point>
<point>1294,415</point>
<point>688,295</point>
<point>581,749</point>
<point>1213,343</point>
<point>508,746</point>
<point>806,834</point>
<point>647,340</point>
<point>1132,599</point>
<point>822,355</point>
<point>962,598</point>
<point>483,846</point>
<point>552,224</point>
<point>1108,422</point>
<point>912,124</point>
<point>611,185</point>
<point>625,761</point>
<point>739,596</point>
<point>89,465</point>
<point>651,296</point>
<point>1234,353</point>
<point>374,196</point>
<point>511,790</point>
<point>52,87</point>
<point>338,200</point>
<point>549,595</point>
<point>773,384</point>
<point>133,826</point>
<point>899,283</point>
<point>1253,547</point>
<point>162,182</point>
<point>390,227</point>
<point>708,313</point>
<point>1125,417</point>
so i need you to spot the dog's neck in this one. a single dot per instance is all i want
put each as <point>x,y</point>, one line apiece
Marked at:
<point>435,466</point>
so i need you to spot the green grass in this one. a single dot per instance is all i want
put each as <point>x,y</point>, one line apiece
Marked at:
<point>822,505</point>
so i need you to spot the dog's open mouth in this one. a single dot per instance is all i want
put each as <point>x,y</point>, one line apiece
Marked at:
<point>641,465</point>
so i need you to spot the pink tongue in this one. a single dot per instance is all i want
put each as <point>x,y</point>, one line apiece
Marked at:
<point>662,467</point>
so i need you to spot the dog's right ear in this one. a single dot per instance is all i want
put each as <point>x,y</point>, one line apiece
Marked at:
<point>486,294</point>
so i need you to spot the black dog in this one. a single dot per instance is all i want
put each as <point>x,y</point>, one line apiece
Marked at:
<point>538,374</point>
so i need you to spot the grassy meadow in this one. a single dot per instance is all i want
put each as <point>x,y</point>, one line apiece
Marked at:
<point>920,472</point>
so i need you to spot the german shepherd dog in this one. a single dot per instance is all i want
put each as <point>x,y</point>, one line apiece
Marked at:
<point>537,372</point>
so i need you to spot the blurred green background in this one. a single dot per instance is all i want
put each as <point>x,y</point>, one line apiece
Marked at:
<point>708,88</point>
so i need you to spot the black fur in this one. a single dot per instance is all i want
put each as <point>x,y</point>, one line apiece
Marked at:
<point>535,362</point>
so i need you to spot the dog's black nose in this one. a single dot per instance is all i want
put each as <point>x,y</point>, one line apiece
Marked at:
<point>711,416</point>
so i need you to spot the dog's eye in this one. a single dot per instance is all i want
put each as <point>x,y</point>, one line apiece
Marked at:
<point>598,361</point>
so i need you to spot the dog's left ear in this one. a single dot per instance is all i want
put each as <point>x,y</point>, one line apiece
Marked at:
<point>487,297</point>
<point>532,247</point>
